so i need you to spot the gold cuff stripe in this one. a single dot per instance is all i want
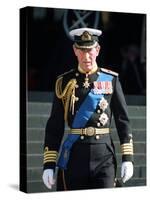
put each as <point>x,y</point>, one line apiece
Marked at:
<point>50,156</point>
<point>127,144</point>
<point>124,148</point>
<point>127,149</point>
<point>50,153</point>
<point>127,153</point>
<point>47,151</point>
<point>49,160</point>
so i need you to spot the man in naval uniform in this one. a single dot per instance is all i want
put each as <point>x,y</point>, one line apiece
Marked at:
<point>85,99</point>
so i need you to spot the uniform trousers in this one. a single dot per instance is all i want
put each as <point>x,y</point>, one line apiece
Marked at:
<point>91,165</point>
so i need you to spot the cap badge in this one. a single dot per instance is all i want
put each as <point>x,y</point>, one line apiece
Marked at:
<point>86,36</point>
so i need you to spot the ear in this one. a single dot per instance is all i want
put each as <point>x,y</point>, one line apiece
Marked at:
<point>98,48</point>
<point>75,50</point>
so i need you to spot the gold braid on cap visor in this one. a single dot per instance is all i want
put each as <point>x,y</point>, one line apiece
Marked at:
<point>86,47</point>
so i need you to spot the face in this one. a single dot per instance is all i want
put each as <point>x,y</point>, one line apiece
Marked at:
<point>87,57</point>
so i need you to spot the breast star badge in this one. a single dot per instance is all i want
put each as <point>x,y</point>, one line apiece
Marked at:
<point>86,84</point>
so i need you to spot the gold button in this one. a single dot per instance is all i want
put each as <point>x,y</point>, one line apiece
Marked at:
<point>97,137</point>
<point>98,124</point>
<point>77,99</point>
<point>82,137</point>
<point>77,74</point>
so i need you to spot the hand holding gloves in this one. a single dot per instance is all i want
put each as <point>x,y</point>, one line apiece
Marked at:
<point>48,178</point>
<point>126,171</point>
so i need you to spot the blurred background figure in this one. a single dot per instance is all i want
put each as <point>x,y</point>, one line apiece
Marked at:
<point>132,71</point>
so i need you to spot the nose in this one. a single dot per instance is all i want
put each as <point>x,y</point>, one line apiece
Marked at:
<point>86,55</point>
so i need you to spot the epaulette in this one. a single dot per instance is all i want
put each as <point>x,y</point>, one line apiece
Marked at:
<point>109,71</point>
<point>68,72</point>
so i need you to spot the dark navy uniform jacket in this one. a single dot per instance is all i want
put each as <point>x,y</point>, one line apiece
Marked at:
<point>112,102</point>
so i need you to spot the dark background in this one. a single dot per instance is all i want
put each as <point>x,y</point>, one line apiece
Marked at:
<point>49,49</point>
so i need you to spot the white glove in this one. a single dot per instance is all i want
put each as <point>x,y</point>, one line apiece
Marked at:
<point>48,178</point>
<point>126,171</point>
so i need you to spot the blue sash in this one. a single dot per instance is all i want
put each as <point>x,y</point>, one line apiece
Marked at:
<point>84,113</point>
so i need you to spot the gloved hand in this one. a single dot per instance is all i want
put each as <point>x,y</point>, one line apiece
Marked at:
<point>126,171</point>
<point>48,178</point>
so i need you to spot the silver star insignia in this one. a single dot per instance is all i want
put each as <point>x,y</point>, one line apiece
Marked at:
<point>86,84</point>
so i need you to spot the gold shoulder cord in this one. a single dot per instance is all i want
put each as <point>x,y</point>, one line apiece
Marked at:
<point>66,95</point>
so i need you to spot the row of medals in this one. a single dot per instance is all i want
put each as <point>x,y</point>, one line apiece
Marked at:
<point>103,104</point>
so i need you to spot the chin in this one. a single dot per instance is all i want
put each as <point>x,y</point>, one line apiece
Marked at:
<point>88,68</point>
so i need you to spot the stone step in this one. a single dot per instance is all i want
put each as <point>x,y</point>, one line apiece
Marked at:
<point>35,173</point>
<point>38,134</point>
<point>47,97</point>
<point>38,186</point>
<point>39,121</point>
<point>137,111</point>
<point>37,147</point>
<point>45,108</point>
<point>138,122</point>
<point>138,134</point>
<point>136,182</point>
<point>39,108</point>
<point>36,160</point>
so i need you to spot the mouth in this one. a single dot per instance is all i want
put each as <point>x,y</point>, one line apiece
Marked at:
<point>87,62</point>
